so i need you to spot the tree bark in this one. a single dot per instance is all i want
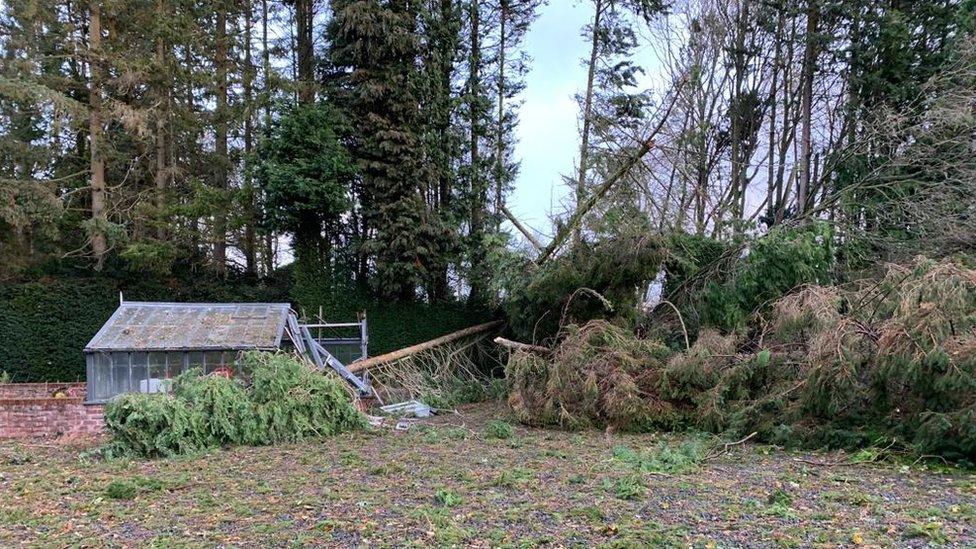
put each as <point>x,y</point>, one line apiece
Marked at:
<point>599,6</point>
<point>250,238</point>
<point>809,59</point>
<point>98,189</point>
<point>500,126</point>
<point>372,362</point>
<point>478,191</point>
<point>162,115</point>
<point>447,41</point>
<point>305,54</point>
<point>220,140</point>
<point>268,257</point>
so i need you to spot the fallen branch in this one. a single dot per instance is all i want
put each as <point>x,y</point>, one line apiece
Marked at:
<point>372,362</point>
<point>729,445</point>
<point>519,346</point>
<point>598,193</point>
<point>522,228</point>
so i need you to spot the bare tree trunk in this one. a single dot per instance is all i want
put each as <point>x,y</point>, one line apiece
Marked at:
<point>442,82</point>
<point>809,58</point>
<point>220,140</point>
<point>269,237</point>
<point>737,134</point>
<point>98,190</point>
<point>772,206</point>
<point>162,114</point>
<point>250,239</point>
<point>599,6</point>
<point>500,128</point>
<point>477,187</point>
<point>304,19</point>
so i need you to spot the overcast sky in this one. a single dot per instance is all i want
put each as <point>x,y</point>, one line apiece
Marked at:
<point>548,131</point>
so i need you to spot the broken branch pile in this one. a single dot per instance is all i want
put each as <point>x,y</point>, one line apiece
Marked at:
<point>835,366</point>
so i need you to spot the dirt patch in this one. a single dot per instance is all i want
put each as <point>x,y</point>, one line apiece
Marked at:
<point>462,481</point>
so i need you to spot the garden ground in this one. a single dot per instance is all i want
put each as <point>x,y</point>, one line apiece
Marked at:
<point>473,480</point>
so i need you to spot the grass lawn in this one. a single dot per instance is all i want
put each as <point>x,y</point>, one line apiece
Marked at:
<point>470,480</point>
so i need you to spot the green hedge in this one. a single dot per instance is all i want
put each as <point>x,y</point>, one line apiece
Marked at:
<point>392,325</point>
<point>45,324</point>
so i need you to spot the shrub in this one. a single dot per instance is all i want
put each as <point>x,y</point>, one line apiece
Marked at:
<point>767,268</point>
<point>891,359</point>
<point>293,401</point>
<point>153,425</point>
<point>286,401</point>
<point>221,405</point>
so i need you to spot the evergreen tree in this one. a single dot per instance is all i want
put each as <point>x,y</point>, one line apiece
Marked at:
<point>375,45</point>
<point>305,173</point>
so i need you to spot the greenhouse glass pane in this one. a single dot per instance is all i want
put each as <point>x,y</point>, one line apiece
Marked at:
<point>120,374</point>
<point>214,361</point>
<point>101,382</point>
<point>195,359</point>
<point>157,373</point>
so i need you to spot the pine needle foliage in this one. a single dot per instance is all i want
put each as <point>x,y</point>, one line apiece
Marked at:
<point>840,366</point>
<point>601,280</point>
<point>599,375</point>
<point>284,401</point>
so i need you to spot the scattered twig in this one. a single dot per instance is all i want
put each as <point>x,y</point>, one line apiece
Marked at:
<point>729,445</point>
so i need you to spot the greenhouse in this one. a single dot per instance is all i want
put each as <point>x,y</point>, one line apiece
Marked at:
<point>143,344</point>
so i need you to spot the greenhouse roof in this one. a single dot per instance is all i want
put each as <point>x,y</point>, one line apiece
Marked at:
<point>143,326</point>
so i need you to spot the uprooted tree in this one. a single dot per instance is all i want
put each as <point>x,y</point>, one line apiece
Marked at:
<point>824,331</point>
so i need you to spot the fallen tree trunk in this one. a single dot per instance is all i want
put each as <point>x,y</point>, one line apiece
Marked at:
<point>372,362</point>
<point>522,228</point>
<point>584,207</point>
<point>519,346</point>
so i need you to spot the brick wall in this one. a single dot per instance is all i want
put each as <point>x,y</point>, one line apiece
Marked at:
<point>48,410</point>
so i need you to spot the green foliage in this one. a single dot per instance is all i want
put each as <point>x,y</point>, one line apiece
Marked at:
<point>153,425</point>
<point>121,489</point>
<point>151,256</point>
<point>447,498</point>
<point>774,265</point>
<point>286,401</point>
<point>499,429</point>
<point>129,488</point>
<point>603,280</point>
<point>223,404</point>
<point>374,47</point>
<point>665,457</point>
<point>599,375</point>
<point>305,173</point>
<point>688,256</point>
<point>899,367</point>
<point>293,402</point>
<point>628,487</point>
